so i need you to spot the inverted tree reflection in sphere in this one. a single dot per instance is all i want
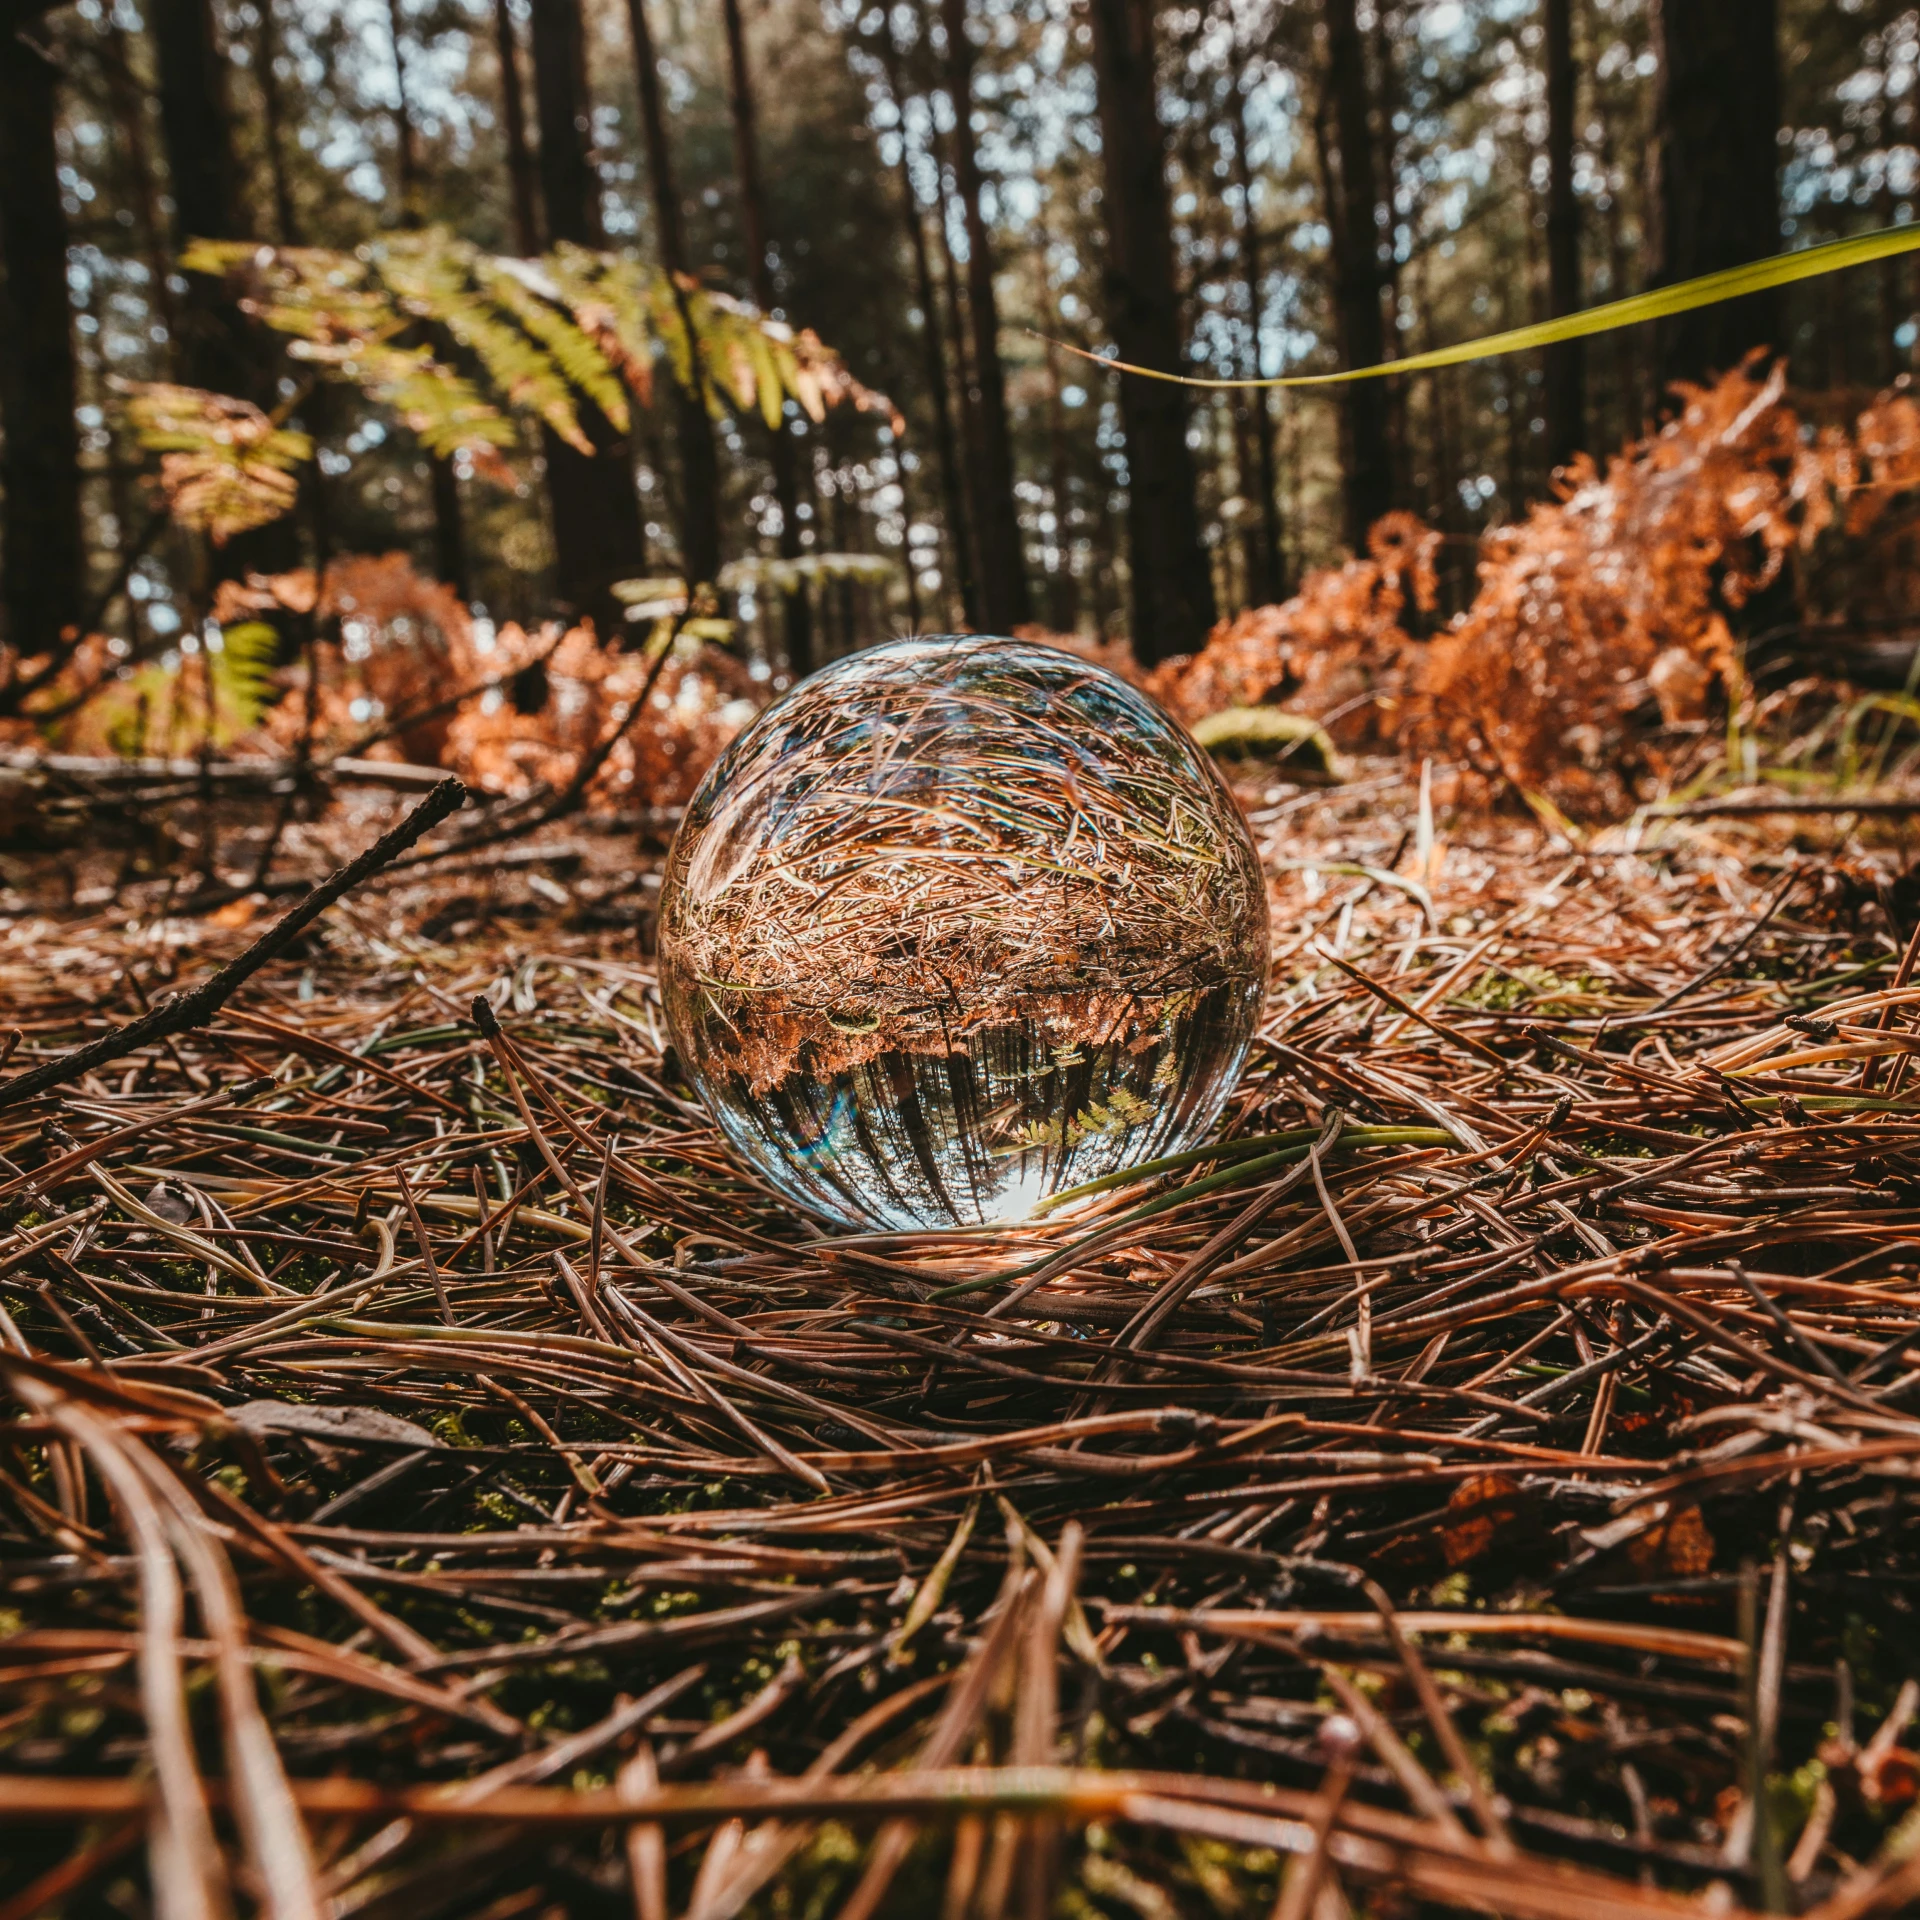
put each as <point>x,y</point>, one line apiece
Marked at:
<point>956,924</point>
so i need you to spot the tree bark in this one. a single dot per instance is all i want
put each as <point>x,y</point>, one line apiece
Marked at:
<point>405,140</point>
<point>597,533</point>
<point>513,119</point>
<point>44,564</point>
<point>1005,601</point>
<point>196,122</point>
<point>449,516</point>
<point>1173,605</point>
<point>966,414</point>
<point>699,457</point>
<point>1566,363</point>
<point>203,177</point>
<point>1266,568</point>
<point>953,491</point>
<point>1063,590</point>
<point>781,462</point>
<point>1352,214</point>
<point>273,132</point>
<point>128,106</point>
<point>1716,189</point>
<point>1388,105</point>
<point>568,183</point>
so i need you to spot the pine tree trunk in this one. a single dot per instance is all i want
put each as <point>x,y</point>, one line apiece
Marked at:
<point>782,462</point>
<point>934,358</point>
<point>44,567</point>
<point>1173,605</point>
<point>1389,104</point>
<point>217,347</point>
<point>966,414</point>
<point>568,184</point>
<point>1566,363</point>
<point>513,118</point>
<point>1063,590</point>
<point>203,178</point>
<point>1352,214</point>
<point>129,109</point>
<point>405,141</point>
<point>273,131</point>
<point>1623,361</point>
<point>1716,188</point>
<point>699,457</point>
<point>1266,568</point>
<point>449,517</point>
<point>1005,601</point>
<point>597,534</point>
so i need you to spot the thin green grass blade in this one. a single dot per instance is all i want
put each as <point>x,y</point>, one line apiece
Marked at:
<point>1730,283</point>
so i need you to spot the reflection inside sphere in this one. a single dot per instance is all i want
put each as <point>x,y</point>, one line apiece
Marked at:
<point>958,924</point>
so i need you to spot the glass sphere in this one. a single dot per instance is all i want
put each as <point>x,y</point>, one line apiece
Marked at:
<point>957,924</point>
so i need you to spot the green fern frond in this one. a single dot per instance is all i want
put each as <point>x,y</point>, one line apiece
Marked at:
<point>543,333</point>
<point>213,695</point>
<point>770,384</point>
<point>609,297</point>
<point>429,272</point>
<point>531,297</point>
<point>225,467</point>
<point>242,671</point>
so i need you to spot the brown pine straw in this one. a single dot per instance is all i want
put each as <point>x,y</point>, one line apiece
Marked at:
<point>720,1567</point>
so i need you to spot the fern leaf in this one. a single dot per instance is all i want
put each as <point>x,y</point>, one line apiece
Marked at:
<point>578,322</point>
<point>241,673</point>
<point>608,296</point>
<point>770,385</point>
<point>429,272</point>
<point>530,296</point>
<point>225,467</point>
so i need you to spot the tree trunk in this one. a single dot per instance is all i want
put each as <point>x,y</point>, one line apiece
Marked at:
<point>782,461</point>
<point>203,177</point>
<point>449,528</point>
<point>1716,193</point>
<point>1624,361</point>
<point>1388,108</point>
<point>1266,569</point>
<point>405,141</point>
<point>513,117</point>
<point>129,109</point>
<point>1566,363</point>
<point>273,131</point>
<point>1005,602</point>
<point>44,564</point>
<point>934,358</point>
<point>966,413</point>
<point>449,517</point>
<point>699,457</point>
<point>597,534</point>
<point>568,183</point>
<point>1352,214</point>
<point>196,122</point>
<point>1173,605</point>
<point>1063,591</point>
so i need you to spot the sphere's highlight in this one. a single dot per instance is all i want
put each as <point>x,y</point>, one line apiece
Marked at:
<point>957,924</point>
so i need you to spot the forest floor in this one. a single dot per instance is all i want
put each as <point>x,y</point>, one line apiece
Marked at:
<point>1507,1505</point>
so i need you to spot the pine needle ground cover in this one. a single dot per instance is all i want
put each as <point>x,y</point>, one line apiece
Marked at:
<point>437,1482</point>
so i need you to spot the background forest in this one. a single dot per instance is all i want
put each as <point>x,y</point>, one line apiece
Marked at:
<point>940,190</point>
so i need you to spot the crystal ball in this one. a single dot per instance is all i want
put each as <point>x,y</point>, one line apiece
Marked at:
<point>956,925</point>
